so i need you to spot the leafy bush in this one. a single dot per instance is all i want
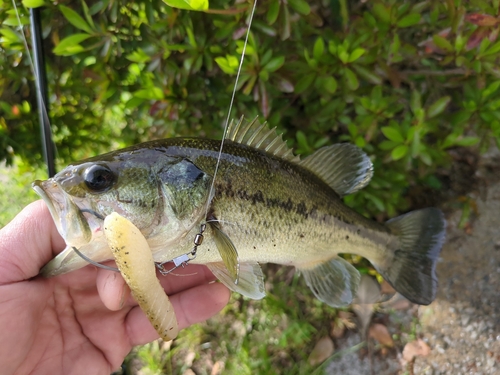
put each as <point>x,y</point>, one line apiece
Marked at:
<point>406,81</point>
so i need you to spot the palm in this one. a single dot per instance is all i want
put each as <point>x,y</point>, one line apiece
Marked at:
<point>68,327</point>
<point>62,326</point>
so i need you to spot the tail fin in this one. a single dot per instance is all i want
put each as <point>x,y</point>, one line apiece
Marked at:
<point>413,269</point>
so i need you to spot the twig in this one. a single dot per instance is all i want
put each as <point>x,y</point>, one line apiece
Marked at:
<point>226,11</point>
<point>410,367</point>
<point>450,72</point>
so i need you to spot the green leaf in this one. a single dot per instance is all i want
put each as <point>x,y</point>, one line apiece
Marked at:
<point>425,157</point>
<point>151,93</point>
<point>485,43</point>
<point>10,36</point>
<point>228,64</point>
<point>409,20</point>
<point>387,145</point>
<point>319,48</point>
<point>360,142</point>
<point>138,56</point>
<point>415,101</point>
<point>449,140</point>
<point>343,55</point>
<point>199,5</point>
<point>33,3</point>
<point>304,83</point>
<point>382,13</point>
<point>459,43</point>
<point>495,48</point>
<point>491,89</point>
<point>467,141</point>
<point>75,19</point>
<point>330,84</point>
<point>273,12</point>
<point>438,106</point>
<point>332,47</point>
<point>300,6</point>
<point>250,84</point>
<point>86,13</point>
<point>399,152</point>
<point>285,24</point>
<point>274,64</point>
<point>356,54</point>
<point>71,44</point>
<point>352,79</point>
<point>376,201</point>
<point>367,74</point>
<point>302,141</point>
<point>393,134</point>
<point>442,43</point>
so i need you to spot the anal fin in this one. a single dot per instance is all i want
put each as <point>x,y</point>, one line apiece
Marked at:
<point>335,282</point>
<point>251,279</point>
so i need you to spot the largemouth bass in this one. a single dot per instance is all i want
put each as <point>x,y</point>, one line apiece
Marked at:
<point>265,205</point>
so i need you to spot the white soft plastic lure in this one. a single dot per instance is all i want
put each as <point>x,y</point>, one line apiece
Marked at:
<point>135,262</point>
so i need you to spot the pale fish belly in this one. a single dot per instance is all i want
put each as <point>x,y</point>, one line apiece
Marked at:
<point>305,244</point>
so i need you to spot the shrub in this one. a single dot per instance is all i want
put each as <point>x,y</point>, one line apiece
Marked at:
<point>406,81</point>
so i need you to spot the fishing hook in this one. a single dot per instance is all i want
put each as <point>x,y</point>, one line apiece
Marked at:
<point>184,259</point>
<point>94,263</point>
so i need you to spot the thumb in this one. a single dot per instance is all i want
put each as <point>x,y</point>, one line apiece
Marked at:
<point>27,243</point>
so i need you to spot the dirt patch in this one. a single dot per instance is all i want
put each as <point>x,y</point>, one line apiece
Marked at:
<point>463,325</point>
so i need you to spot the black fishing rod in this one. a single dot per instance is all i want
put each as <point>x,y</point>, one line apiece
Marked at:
<point>42,90</point>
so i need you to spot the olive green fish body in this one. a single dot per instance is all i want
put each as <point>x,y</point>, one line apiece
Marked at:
<point>264,205</point>
<point>276,211</point>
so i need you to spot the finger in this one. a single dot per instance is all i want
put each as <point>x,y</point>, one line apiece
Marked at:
<point>179,280</point>
<point>28,242</point>
<point>112,289</point>
<point>191,306</point>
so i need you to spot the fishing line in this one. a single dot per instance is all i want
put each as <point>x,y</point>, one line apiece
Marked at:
<point>25,42</point>
<point>226,125</point>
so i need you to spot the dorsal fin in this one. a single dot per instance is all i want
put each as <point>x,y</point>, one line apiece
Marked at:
<point>258,135</point>
<point>344,166</point>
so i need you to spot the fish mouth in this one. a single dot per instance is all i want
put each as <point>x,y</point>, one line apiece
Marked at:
<point>68,217</point>
<point>52,196</point>
<point>79,225</point>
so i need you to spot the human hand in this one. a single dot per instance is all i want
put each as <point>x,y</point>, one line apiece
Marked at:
<point>84,322</point>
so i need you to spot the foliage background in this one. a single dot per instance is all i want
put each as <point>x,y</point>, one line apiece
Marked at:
<point>407,81</point>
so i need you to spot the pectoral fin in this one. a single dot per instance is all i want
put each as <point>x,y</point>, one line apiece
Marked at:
<point>334,282</point>
<point>227,252</point>
<point>251,279</point>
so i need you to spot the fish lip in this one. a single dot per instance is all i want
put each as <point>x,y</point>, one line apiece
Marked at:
<point>74,227</point>
<point>49,199</point>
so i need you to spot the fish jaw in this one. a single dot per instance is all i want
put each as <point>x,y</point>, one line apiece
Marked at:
<point>83,232</point>
<point>68,260</point>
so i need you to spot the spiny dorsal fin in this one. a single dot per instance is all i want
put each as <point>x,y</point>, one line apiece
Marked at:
<point>345,167</point>
<point>258,135</point>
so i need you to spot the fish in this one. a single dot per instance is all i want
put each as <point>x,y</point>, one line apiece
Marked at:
<point>265,205</point>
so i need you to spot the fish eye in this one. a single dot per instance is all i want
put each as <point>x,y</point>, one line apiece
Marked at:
<point>98,178</point>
